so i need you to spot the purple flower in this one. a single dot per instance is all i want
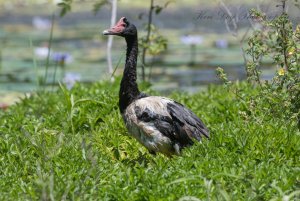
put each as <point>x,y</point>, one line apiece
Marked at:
<point>61,57</point>
<point>222,43</point>
<point>70,79</point>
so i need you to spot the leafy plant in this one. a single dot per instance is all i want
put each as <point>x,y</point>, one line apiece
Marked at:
<point>279,41</point>
<point>73,145</point>
<point>66,6</point>
<point>99,4</point>
<point>152,43</point>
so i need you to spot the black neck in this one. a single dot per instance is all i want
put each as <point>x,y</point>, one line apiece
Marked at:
<point>129,90</point>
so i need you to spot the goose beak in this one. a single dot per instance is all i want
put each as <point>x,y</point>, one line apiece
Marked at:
<point>112,31</point>
<point>116,30</point>
<point>107,32</point>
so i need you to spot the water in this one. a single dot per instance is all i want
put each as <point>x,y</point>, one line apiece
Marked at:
<point>195,79</point>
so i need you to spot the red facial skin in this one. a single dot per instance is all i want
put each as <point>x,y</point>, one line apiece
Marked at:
<point>117,29</point>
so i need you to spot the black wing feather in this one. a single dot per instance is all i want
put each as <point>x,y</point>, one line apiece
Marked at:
<point>182,127</point>
<point>188,121</point>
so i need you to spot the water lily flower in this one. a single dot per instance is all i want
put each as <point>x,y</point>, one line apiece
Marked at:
<point>62,57</point>
<point>41,23</point>
<point>41,52</point>
<point>191,39</point>
<point>222,43</point>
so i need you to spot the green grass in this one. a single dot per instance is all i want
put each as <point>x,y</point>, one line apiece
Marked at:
<point>72,145</point>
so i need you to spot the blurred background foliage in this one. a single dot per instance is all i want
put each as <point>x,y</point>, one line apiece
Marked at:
<point>190,39</point>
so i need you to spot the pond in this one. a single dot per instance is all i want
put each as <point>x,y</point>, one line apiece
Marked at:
<point>78,35</point>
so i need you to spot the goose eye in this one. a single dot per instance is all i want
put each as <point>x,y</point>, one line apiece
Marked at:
<point>125,21</point>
